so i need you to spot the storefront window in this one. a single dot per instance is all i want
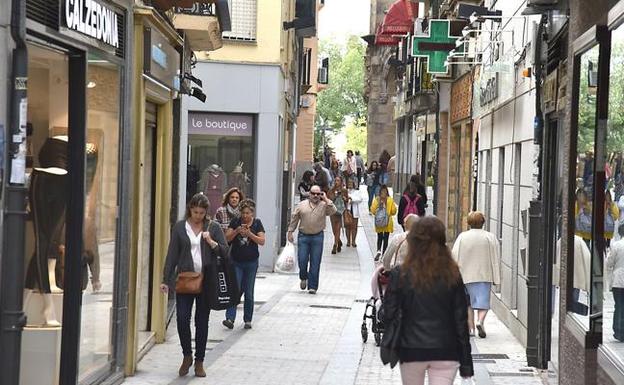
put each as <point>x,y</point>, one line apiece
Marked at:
<point>220,155</point>
<point>583,242</point>
<point>47,182</point>
<point>613,305</point>
<point>100,225</point>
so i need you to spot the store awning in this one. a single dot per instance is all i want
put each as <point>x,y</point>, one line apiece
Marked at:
<point>168,4</point>
<point>381,39</point>
<point>400,18</point>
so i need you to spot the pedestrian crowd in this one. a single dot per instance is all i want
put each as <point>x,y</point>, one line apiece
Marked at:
<point>428,291</point>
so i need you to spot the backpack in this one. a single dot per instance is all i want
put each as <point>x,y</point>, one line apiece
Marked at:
<point>381,217</point>
<point>410,208</point>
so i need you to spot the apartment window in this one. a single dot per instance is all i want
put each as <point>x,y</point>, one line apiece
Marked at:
<point>244,19</point>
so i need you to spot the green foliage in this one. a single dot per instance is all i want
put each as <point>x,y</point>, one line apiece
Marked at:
<point>356,134</point>
<point>343,99</point>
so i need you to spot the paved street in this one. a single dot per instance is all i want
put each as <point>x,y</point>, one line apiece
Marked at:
<point>298,338</point>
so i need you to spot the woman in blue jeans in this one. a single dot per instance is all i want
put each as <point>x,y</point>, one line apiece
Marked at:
<point>245,234</point>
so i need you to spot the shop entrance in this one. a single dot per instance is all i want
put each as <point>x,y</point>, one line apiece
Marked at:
<point>146,248</point>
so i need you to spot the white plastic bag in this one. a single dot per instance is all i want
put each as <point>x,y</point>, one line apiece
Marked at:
<point>468,381</point>
<point>287,260</point>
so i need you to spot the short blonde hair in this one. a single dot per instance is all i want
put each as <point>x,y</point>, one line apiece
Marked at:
<point>476,219</point>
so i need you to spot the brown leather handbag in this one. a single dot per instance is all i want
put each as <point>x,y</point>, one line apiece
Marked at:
<point>189,282</point>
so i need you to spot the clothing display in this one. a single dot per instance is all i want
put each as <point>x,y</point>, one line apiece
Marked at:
<point>48,200</point>
<point>239,179</point>
<point>214,185</point>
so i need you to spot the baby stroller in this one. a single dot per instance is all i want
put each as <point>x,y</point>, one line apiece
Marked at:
<point>374,306</point>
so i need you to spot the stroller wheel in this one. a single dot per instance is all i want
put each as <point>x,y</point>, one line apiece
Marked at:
<point>377,338</point>
<point>364,332</point>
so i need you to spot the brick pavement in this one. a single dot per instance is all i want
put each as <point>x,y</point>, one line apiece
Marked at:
<point>298,338</point>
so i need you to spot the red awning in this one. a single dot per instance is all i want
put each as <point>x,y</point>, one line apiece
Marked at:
<point>381,39</point>
<point>400,18</point>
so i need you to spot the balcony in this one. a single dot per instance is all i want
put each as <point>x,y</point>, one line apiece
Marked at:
<point>203,23</point>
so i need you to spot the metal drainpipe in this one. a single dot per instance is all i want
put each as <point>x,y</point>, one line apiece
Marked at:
<point>11,291</point>
<point>537,292</point>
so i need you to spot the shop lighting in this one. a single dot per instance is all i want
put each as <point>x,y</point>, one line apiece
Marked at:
<point>91,84</point>
<point>447,63</point>
<point>197,93</point>
<point>193,79</point>
<point>481,18</point>
<point>467,31</point>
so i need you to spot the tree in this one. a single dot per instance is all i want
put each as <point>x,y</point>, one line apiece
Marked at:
<point>344,96</point>
<point>357,137</point>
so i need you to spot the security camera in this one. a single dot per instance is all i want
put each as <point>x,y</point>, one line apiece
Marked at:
<point>196,92</point>
<point>193,79</point>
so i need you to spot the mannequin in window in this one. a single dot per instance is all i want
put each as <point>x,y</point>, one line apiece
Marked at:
<point>214,185</point>
<point>238,179</point>
<point>90,254</point>
<point>48,201</point>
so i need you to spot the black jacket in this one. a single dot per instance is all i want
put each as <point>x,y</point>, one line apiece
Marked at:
<point>434,319</point>
<point>179,256</point>
<point>420,206</point>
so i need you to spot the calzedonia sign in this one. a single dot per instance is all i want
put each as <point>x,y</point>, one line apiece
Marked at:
<point>220,124</point>
<point>91,18</point>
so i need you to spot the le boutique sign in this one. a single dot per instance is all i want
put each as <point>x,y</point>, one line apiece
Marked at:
<point>91,18</point>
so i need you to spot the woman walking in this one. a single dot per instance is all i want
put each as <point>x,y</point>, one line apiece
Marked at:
<point>307,180</point>
<point>412,202</point>
<point>383,208</point>
<point>195,241</point>
<point>476,253</point>
<point>372,182</point>
<point>334,170</point>
<point>352,213</point>
<point>229,208</point>
<point>340,197</point>
<point>427,294</point>
<point>611,215</point>
<point>245,234</point>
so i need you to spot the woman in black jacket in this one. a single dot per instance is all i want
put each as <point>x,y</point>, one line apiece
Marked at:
<point>194,242</point>
<point>412,202</point>
<point>427,294</point>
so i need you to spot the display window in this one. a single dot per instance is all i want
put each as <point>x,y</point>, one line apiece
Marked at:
<point>220,155</point>
<point>613,302</point>
<point>47,168</point>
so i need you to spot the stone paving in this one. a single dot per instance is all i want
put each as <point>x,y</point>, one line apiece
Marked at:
<point>298,338</point>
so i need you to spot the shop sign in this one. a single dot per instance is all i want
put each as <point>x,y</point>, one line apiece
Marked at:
<point>220,124</point>
<point>435,45</point>
<point>163,61</point>
<point>91,18</point>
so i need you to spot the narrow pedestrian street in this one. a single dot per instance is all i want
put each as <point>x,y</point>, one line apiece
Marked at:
<point>298,338</point>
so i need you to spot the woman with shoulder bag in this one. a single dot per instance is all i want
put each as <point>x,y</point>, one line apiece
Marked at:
<point>194,242</point>
<point>339,195</point>
<point>425,311</point>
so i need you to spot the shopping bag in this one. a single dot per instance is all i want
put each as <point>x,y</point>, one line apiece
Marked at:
<point>287,260</point>
<point>220,284</point>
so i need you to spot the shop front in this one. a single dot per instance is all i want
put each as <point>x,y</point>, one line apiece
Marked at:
<point>591,287</point>
<point>235,139</point>
<point>76,142</point>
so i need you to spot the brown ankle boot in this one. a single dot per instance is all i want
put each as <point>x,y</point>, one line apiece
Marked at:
<point>199,369</point>
<point>186,364</point>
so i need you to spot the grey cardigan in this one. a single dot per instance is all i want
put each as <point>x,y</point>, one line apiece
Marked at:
<point>179,256</point>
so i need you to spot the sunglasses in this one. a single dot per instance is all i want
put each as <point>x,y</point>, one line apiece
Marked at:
<point>316,194</point>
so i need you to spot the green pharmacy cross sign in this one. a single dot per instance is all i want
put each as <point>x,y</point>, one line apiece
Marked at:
<point>435,45</point>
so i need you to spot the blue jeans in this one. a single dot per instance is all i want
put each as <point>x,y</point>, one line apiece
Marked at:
<point>184,305</point>
<point>372,192</point>
<point>310,250</point>
<point>246,278</point>
<point>618,315</point>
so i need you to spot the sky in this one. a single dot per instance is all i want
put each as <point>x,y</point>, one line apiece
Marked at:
<point>339,19</point>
